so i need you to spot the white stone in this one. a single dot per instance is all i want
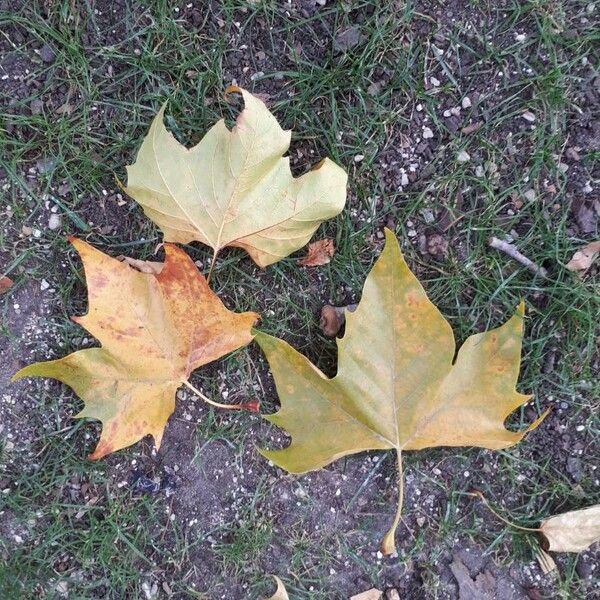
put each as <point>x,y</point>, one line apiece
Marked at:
<point>466,102</point>
<point>463,156</point>
<point>54,222</point>
<point>427,133</point>
<point>528,116</point>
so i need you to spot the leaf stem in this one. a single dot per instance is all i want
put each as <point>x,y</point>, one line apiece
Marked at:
<point>252,406</point>
<point>479,495</point>
<point>388,545</point>
<point>212,266</point>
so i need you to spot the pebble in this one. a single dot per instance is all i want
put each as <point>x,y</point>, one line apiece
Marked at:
<point>463,156</point>
<point>54,222</point>
<point>528,116</point>
<point>359,158</point>
<point>434,82</point>
<point>427,133</point>
<point>466,102</point>
<point>47,54</point>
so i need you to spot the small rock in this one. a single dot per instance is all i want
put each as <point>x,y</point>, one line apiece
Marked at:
<point>437,246</point>
<point>347,39</point>
<point>434,82</point>
<point>359,158</point>
<point>529,195</point>
<point>528,116</point>
<point>54,222</point>
<point>392,595</point>
<point>44,285</point>
<point>520,37</point>
<point>37,106</point>
<point>463,156</point>
<point>47,54</point>
<point>427,133</point>
<point>575,468</point>
<point>45,165</point>
<point>466,102</point>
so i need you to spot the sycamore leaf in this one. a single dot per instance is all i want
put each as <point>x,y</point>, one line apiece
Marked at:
<point>573,531</point>
<point>155,329</point>
<point>398,385</point>
<point>280,592</point>
<point>234,188</point>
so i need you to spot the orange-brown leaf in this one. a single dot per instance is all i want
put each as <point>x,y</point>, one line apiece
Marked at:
<point>319,253</point>
<point>155,329</point>
<point>5,283</point>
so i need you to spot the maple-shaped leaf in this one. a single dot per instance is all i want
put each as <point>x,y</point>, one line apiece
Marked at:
<point>399,385</point>
<point>234,188</point>
<point>155,329</point>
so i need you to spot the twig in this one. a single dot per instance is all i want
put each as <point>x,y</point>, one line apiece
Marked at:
<point>514,253</point>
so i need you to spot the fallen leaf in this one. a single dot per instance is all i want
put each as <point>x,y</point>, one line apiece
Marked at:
<point>584,257</point>
<point>143,266</point>
<point>280,592</point>
<point>573,531</point>
<point>5,283</point>
<point>234,188</point>
<point>483,587</point>
<point>333,317</point>
<point>396,386</point>
<point>319,253</point>
<point>155,329</point>
<point>372,594</point>
<point>545,561</point>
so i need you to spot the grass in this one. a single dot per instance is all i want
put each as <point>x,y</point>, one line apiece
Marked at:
<point>99,95</point>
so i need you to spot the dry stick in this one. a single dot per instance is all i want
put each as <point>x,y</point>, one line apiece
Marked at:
<point>479,495</point>
<point>514,253</point>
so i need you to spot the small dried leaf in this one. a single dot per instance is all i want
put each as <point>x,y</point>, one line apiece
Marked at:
<point>280,592</point>
<point>573,531</point>
<point>319,253</point>
<point>143,266</point>
<point>545,561</point>
<point>584,257</point>
<point>372,594</point>
<point>5,283</point>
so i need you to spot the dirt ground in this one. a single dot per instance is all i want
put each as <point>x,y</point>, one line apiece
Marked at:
<point>456,121</point>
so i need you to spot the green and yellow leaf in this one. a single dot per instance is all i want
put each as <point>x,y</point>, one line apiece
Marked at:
<point>398,385</point>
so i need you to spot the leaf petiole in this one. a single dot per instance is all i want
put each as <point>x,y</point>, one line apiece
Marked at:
<point>251,406</point>
<point>388,545</point>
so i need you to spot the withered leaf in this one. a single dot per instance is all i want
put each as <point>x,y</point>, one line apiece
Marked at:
<point>584,257</point>
<point>155,329</point>
<point>5,283</point>
<point>398,386</point>
<point>319,253</point>
<point>573,531</point>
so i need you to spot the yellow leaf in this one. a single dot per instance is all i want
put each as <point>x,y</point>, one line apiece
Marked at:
<point>155,329</point>
<point>234,188</point>
<point>280,592</point>
<point>573,531</point>
<point>398,386</point>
